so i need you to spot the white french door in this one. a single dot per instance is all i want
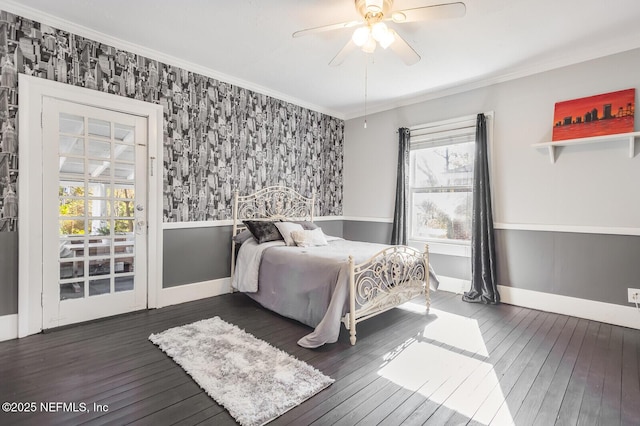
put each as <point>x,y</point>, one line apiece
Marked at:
<point>94,212</point>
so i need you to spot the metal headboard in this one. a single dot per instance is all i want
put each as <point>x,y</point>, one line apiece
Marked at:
<point>271,203</point>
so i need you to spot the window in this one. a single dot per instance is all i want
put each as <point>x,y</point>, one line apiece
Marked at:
<point>441,181</point>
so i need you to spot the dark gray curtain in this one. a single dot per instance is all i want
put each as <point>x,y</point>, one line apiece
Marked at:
<point>483,252</point>
<point>399,231</point>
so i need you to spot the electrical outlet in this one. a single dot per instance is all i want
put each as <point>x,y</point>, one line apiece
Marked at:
<point>634,295</point>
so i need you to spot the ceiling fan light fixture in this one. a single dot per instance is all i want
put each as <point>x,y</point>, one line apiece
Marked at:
<point>382,34</point>
<point>361,36</point>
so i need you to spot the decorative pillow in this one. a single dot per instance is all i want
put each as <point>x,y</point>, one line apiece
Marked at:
<point>306,224</point>
<point>263,230</point>
<point>242,236</point>
<point>286,228</point>
<point>309,238</point>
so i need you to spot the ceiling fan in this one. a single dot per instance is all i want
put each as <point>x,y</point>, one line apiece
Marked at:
<point>372,30</point>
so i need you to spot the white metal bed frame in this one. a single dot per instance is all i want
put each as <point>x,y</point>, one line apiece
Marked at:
<point>389,278</point>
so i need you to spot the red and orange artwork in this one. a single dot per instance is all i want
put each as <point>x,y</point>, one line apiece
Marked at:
<point>605,114</point>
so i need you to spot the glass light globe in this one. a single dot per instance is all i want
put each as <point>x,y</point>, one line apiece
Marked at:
<point>360,36</point>
<point>369,46</point>
<point>379,31</point>
<point>388,38</point>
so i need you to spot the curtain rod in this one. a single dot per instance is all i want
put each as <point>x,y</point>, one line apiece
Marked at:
<point>488,115</point>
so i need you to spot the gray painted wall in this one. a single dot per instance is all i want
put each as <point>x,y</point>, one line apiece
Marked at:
<point>588,266</point>
<point>194,255</point>
<point>332,227</point>
<point>374,232</point>
<point>451,266</point>
<point>8,273</point>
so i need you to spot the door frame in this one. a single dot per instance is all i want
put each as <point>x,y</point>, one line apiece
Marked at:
<point>32,90</point>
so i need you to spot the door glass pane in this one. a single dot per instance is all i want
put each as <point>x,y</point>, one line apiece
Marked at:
<point>101,169</point>
<point>122,192</point>
<point>123,265</point>
<point>98,207</point>
<point>71,227</point>
<point>98,149</point>
<point>124,153</point>
<point>71,124</point>
<point>71,189</point>
<point>123,283</point>
<point>71,248</point>
<point>99,267</point>
<point>124,171</point>
<point>72,207</point>
<point>71,145</point>
<point>99,128</point>
<point>98,248</point>
<point>123,132</point>
<point>101,286</point>
<point>73,269</point>
<point>74,290</point>
<point>98,189</point>
<point>123,245</point>
<point>124,226</point>
<point>123,209</point>
<point>99,227</point>
<point>72,166</point>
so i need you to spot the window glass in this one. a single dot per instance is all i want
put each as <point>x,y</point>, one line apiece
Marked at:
<point>441,190</point>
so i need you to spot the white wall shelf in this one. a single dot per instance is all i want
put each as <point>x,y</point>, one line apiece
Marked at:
<point>552,146</point>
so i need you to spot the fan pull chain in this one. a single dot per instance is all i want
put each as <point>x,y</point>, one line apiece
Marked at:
<point>366,63</point>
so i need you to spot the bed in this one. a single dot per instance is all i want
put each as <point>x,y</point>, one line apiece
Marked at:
<point>321,285</point>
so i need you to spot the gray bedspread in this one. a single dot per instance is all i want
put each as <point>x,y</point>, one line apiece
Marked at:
<point>307,284</point>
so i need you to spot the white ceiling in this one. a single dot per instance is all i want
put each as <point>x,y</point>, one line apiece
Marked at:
<point>249,43</point>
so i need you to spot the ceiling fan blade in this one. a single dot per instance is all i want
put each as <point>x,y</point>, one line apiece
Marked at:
<point>401,48</point>
<point>325,28</point>
<point>430,13</point>
<point>339,58</point>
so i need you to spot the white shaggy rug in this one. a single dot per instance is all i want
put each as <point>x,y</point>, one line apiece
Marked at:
<point>253,380</point>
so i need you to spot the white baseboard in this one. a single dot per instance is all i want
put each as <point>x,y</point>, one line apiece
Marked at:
<point>8,327</point>
<point>190,292</point>
<point>609,313</point>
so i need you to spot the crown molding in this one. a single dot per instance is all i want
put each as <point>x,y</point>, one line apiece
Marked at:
<point>15,8</point>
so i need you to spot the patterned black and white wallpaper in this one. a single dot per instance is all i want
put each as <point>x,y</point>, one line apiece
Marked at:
<point>217,137</point>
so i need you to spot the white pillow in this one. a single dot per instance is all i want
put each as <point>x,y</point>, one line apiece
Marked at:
<point>309,238</point>
<point>286,228</point>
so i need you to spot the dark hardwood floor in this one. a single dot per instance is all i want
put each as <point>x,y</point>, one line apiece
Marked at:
<point>462,364</point>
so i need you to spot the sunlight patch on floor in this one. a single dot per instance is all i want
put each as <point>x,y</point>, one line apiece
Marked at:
<point>459,378</point>
<point>457,331</point>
